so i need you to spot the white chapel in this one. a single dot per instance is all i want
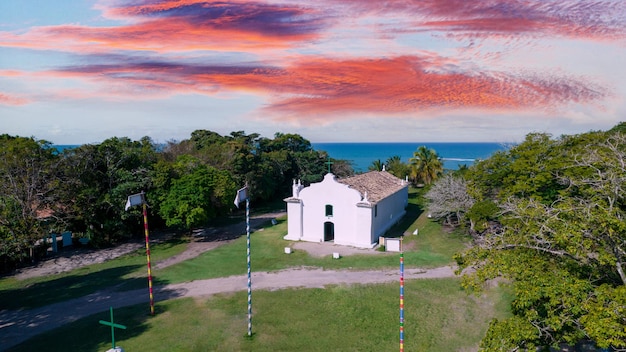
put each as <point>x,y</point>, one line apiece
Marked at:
<point>353,211</point>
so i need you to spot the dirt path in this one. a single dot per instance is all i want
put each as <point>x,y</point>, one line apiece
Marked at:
<point>18,326</point>
<point>203,240</point>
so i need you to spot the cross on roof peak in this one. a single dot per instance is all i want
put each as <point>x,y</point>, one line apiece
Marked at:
<point>329,162</point>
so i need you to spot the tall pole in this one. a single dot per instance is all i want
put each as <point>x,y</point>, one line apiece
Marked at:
<point>401,302</point>
<point>249,272</point>
<point>145,227</point>
<point>241,195</point>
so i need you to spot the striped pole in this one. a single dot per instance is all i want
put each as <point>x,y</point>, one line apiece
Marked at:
<point>145,227</point>
<point>249,274</point>
<point>401,302</point>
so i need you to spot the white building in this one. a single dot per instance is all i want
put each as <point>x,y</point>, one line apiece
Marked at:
<point>353,211</point>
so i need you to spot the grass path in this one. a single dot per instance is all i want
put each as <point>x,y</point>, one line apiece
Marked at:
<point>20,325</point>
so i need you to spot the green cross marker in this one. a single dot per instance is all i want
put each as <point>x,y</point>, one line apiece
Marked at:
<point>329,163</point>
<point>113,326</point>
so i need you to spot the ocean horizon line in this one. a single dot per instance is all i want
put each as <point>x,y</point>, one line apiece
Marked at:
<point>361,155</point>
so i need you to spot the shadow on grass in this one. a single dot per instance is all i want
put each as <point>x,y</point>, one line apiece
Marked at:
<point>413,211</point>
<point>72,286</point>
<point>88,335</point>
<point>235,230</point>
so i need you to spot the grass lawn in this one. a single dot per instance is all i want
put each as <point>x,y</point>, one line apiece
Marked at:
<point>127,271</point>
<point>439,316</point>
<point>431,248</point>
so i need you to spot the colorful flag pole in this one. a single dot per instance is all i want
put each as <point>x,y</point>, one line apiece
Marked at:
<point>401,302</point>
<point>140,199</point>
<point>241,195</point>
<point>145,227</point>
<point>249,270</point>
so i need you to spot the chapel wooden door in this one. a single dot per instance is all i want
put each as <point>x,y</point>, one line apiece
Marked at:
<point>329,231</point>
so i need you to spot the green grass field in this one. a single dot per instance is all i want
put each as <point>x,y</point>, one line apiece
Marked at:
<point>127,271</point>
<point>439,316</point>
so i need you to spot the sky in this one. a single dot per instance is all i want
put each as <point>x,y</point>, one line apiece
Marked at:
<point>74,72</point>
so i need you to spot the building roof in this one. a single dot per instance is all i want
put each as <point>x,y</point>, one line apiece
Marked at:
<point>378,184</point>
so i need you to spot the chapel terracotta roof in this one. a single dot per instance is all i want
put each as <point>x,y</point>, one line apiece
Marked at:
<point>378,184</point>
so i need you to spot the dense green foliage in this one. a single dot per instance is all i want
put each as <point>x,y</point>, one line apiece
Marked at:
<point>187,183</point>
<point>27,179</point>
<point>97,179</point>
<point>548,216</point>
<point>393,165</point>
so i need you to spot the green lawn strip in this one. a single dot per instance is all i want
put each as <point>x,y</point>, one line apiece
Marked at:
<point>129,270</point>
<point>439,316</point>
<point>431,248</point>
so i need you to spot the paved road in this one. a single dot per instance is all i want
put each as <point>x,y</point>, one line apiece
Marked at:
<point>18,326</point>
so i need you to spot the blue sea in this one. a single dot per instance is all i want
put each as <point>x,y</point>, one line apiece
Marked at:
<point>361,155</point>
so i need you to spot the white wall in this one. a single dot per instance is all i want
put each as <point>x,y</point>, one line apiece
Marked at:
<point>341,197</point>
<point>294,219</point>
<point>390,211</point>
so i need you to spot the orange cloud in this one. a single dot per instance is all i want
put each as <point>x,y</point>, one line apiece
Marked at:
<point>321,86</point>
<point>410,85</point>
<point>181,26</point>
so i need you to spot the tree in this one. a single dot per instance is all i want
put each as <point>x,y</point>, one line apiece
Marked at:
<point>97,179</point>
<point>197,197</point>
<point>425,165</point>
<point>376,165</point>
<point>562,243</point>
<point>26,192</point>
<point>448,199</point>
<point>396,167</point>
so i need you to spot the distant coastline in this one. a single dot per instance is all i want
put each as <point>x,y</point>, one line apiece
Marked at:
<point>453,154</point>
<point>362,154</point>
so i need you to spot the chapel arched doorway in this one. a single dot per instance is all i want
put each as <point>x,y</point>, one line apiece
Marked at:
<point>329,231</point>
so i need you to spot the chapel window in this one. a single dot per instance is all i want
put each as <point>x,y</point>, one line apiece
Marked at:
<point>329,210</point>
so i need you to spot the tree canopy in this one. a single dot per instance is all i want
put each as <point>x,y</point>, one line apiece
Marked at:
<point>27,180</point>
<point>561,239</point>
<point>187,183</point>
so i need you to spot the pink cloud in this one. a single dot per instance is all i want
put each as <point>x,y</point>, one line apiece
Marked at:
<point>7,99</point>
<point>188,25</point>
<point>322,86</point>
<point>596,20</point>
<point>181,26</point>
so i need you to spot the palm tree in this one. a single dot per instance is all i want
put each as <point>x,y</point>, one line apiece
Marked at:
<point>396,167</point>
<point>425,165</point>
<point>376,165</point>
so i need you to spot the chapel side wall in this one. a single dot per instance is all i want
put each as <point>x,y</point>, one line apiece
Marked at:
<point>294,220</point>
<point>390,211</point>
<point>364,230</point>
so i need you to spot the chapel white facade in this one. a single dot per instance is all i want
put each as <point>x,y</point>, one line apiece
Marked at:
<point>353,211</point>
